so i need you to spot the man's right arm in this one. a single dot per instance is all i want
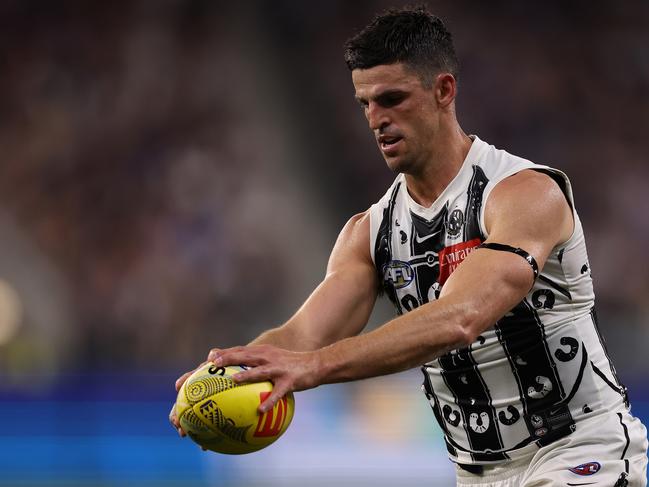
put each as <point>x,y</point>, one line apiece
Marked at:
<point>341,305</point>
<point>338,308</point>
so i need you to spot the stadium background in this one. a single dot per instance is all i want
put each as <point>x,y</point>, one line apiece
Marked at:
<point>174,173</point>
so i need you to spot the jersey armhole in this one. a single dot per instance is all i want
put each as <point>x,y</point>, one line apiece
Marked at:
<point>563,182</point>
<point>374,229</point>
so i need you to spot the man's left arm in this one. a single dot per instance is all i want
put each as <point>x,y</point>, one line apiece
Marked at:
<point>527,210</point>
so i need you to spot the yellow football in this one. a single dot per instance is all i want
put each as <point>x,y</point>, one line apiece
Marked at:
<point>221,415</point>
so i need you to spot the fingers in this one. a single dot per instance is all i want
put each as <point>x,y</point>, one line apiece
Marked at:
<point>260,359</point>
<point>173,419</point>
<point>181,380</point>
<point>252,356</point>
<point>277,393</point>
<point>255,374</point>
<point>214,353</point>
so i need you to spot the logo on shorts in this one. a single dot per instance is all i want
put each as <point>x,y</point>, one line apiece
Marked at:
<point>589,468</point>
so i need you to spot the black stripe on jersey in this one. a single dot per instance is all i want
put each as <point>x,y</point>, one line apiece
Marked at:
<point>522,336</point>
<point>437,410</point>
<point>449,447</point>
<point>580,375</point>
<point>626,435</point>
<point>460,373</point>
<point>474,203</point>
<point>525,442</point>
<point>426,241</point>
<point>558,419</point>
<point>550,282</point>
<point>428,259</point>
<point>606,379</point>
<point>489,456</point>
<point>621,388</point>
<point>478,456</point>
<point>431,396</point>
<point>383,249</point>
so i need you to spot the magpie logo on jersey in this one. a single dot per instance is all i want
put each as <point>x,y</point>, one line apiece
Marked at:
<point>455,222</point>
<point>590,468</point>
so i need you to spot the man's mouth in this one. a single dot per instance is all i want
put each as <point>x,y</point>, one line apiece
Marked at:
<point>388,143</point>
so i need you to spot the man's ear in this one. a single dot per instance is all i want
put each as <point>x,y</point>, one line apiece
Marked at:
<point>445,89</point>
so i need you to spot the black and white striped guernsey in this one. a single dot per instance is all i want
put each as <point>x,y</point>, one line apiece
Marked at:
<point>543,367</point>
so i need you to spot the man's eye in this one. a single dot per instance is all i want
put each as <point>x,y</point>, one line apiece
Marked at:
<point>391,100</point>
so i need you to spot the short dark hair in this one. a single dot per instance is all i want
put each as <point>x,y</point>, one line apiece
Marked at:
<point>409,35</point>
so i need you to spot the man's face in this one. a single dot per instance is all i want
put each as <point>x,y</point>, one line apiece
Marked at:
<point>402,114</point>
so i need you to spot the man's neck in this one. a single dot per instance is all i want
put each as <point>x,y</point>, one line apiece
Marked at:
<point>446,161</point>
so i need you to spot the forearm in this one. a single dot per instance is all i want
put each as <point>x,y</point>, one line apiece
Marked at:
<point>286,337</point>
<point>338,308</point>
<point>466,308</point>
<point>403,343</point>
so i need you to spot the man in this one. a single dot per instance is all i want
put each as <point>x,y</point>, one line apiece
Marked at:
<point>483,256</point>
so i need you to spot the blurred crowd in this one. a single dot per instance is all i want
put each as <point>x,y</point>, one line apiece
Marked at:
<point>174,173</point>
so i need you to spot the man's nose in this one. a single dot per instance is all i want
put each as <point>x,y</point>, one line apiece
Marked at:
<point>377,116</point>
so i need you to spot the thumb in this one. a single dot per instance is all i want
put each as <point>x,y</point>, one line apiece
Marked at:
<point>181,380</point>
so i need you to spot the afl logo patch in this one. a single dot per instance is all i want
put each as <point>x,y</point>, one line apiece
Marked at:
<point>454,223</point>
<point>398,274</point>
<point>589,468</point>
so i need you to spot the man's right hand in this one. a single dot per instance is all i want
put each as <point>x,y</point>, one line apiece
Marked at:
<point>173,418</point>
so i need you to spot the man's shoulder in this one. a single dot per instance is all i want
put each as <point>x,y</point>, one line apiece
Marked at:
<point>359,221</point>
<point>500,166</point>
<point>496,161</point>
<point>530,196</point>
<point>529,182</point>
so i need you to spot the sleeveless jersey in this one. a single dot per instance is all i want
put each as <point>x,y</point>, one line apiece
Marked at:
<point>542,367</point>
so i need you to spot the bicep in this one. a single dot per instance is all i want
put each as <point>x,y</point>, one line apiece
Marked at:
<point>486,286</point>
<point>529,212</point>
<point>341,305</point>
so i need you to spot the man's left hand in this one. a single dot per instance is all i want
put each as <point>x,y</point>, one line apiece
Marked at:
<point>288,371</point>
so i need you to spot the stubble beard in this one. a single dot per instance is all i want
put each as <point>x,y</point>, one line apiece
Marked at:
<point>397,165</point>
<point>404,164</point>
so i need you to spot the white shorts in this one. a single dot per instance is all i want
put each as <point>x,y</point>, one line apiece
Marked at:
<point>609,450</point>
